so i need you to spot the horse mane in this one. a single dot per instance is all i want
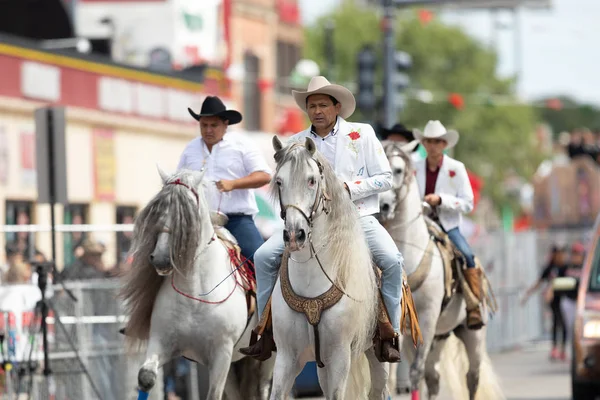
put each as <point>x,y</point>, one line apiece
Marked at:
<point>142,282</point>
<point>348,256</point>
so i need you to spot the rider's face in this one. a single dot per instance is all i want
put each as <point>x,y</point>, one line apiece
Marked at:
<point>321,111</point>
<point>434,147</point>
<point>212,129</point>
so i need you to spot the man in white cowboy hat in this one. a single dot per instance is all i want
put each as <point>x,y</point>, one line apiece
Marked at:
<point>234,164</point>
<point>360,162</point>
<point>445,186</point>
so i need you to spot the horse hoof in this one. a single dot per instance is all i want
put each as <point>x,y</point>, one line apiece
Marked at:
<point>414,395</point>
<point>146,380</point>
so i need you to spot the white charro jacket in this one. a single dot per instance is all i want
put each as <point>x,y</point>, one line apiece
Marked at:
<point>360,162</point>
<point>454,188</point>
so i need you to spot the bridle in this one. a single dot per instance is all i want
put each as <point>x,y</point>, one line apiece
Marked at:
<point>320,203</point>
<point>397,152</point>
<point>178,182</point>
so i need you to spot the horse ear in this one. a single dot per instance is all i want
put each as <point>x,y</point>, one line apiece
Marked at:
<point>163,175</point>
<point>277,145</point>
<point>409,147</point>
<point>197,177</point>
<point>310,146</point>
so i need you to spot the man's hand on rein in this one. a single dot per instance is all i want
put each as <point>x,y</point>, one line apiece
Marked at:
<point>225,186</point>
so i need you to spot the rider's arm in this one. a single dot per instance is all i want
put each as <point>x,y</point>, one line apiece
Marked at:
<point>253,181</point>
<point>378,174</point>
<point>463,201</point>
<point>257,170</point>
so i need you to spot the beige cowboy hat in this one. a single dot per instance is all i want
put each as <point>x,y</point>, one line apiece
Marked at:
<point>435,130</point>
<point>320,85</point>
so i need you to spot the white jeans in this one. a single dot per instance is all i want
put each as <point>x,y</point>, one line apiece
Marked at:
<point>267,260</point>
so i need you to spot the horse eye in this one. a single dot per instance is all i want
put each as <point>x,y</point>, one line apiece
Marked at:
<point>278,182</point>
<point>311,181</point>
<point>398,171</point>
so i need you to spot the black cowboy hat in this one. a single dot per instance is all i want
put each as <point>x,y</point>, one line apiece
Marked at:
<point>399,129</point>
<point>214,107</point>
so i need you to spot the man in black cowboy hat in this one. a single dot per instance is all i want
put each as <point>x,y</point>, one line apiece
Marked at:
<point>401,135</point>
<point>234,164</point>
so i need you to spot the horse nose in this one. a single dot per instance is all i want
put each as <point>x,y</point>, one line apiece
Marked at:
<point>286,236</point>
<point>301,235</point>
<point>385,207</point>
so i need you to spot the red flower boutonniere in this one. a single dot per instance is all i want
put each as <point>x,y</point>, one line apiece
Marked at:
<point>354,135</point>
<point>357,182</point>
<point>452,174</point>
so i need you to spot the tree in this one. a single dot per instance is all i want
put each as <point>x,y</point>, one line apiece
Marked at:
<point>571,115</point>
<point>495,138</point>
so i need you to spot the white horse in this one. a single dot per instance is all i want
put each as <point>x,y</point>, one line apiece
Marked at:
<point>402,215</point>
<point>199,312</point>
<point>328,254</point>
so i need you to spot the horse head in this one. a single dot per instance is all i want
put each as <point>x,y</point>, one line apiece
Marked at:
<point>400,163</point>
<point>301,188</point>
<point>172,221</point>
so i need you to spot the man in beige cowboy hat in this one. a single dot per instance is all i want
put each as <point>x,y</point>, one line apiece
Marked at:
<point>445,186</point>
<point>360,162</point>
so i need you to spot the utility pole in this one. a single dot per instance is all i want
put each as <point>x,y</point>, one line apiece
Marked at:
<point>329,50</point>
<point>389,107</point>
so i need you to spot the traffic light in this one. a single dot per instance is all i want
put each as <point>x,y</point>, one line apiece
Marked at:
<point>403,63</point>
<point>401,80</point>
<point>367,62</point>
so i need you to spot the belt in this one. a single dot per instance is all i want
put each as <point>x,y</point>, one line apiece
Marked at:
<point>238,215</point>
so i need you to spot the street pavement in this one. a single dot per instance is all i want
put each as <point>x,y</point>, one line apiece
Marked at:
<point>525,374</point>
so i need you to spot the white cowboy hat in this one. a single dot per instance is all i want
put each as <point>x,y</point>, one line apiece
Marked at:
<point>320,85</point>
<point>435,130</point>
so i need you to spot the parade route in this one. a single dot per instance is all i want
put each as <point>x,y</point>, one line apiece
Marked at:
<point>526,374</point>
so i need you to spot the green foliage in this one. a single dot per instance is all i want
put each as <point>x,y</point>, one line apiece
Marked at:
<point>495,138</point>
<point>573,115</point>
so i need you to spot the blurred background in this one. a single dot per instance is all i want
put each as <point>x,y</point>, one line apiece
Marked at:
<point>516,78</point>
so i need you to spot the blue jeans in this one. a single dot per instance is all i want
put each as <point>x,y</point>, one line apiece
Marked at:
<point>383,250</point>
<point>243,228</point>
<point>461,243</point>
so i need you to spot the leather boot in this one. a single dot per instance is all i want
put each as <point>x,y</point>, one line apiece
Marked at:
<point>473,277</point>
<point>262,348</point>
<point>387,345</point>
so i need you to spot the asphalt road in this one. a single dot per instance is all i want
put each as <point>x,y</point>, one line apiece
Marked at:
<point>526,374</point>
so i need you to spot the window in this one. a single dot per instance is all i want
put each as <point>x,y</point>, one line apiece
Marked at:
<point>125,215</point>
<point>288,55</point>
<point>20,213</point>
<point>75,214</point>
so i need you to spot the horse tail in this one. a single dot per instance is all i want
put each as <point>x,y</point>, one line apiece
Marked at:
<point>359,380</point>
<point>454,366</point>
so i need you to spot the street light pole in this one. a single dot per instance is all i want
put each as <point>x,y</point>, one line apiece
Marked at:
<point>389,108</point>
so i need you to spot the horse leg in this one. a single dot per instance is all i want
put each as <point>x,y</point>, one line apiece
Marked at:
<point>335,374</point>
<point>392,382</point>
<point>379,377</point>
<point>432,373</point>
<point>266,378</point>
<point>218,369</point>
<point>287,367</point>
<point>157,354</point>
<point>428,317</point>
<point>472,339</point>
<point>232,385</point>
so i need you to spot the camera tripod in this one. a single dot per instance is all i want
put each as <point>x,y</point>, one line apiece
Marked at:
<point>43,307</point>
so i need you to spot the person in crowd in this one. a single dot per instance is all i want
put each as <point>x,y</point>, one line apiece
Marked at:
<point>555,268</point>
